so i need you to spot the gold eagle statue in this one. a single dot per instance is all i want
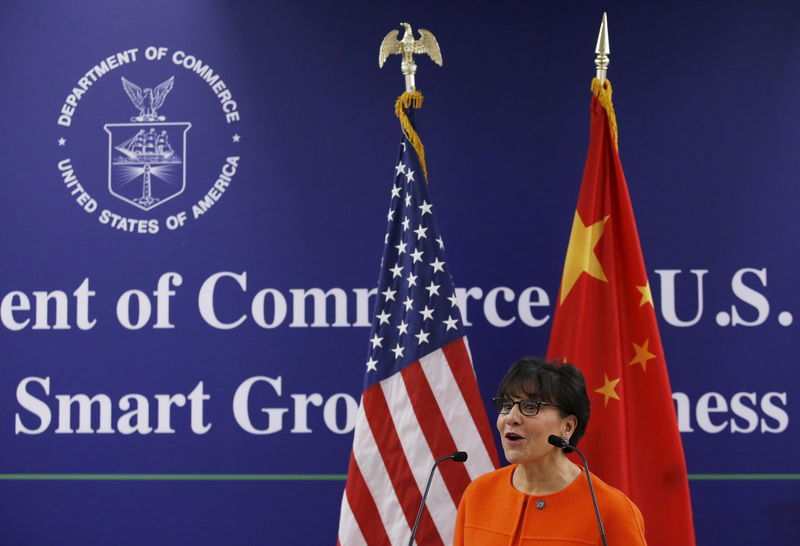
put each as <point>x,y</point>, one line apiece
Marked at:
<point>408,46</point>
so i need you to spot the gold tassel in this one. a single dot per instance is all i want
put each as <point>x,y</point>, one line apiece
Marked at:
<point>411,100</point>
<point>603,94</point>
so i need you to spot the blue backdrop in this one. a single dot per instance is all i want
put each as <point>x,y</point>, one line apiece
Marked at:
<point>208,287</point>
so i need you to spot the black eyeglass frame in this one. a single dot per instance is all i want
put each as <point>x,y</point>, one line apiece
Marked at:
<point>500,402</point>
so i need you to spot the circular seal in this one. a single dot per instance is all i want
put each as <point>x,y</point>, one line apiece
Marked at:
<point>148,140</point>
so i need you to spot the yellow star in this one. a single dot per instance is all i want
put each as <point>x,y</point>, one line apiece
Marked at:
<point>580,254</point>
<point>647,296</point>
<point>643,354</point>
<point>607,390</point>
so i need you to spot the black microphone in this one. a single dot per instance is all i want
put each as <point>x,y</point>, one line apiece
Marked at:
<point>564,444</point>
<point>459,457</point>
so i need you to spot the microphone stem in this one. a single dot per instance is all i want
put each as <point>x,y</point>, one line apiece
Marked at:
<point>424,496</point>
<point>594,498</point>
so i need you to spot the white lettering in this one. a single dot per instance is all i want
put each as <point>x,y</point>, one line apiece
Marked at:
<point>490,306</point>
<point>241,401</point>
<point>205,299</point>
<point>350,410</point>
<point>683,411</point>
<point>668,306</point>
<point>301,402</point>
<point>162,295</point>
<point>750,296</point>
<point>526,303</point>
<point>33,405</point>
<point>124,309</point>
<point>711,402</point>
<point>463,295</point>
<point>777,413</point>
<point>320,308</point>
<point>279,308</point>
<point>744,413</point>
<point>95,414</point>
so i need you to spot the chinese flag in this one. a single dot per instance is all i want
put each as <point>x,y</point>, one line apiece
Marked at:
<point>605,324</point>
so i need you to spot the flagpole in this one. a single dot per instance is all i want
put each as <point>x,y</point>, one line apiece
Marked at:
<point>634,442</point>
<point>421,398</point>
<point>407,46</point>
<point>603,50</point>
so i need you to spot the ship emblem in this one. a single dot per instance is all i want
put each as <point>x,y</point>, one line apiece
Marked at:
<point>147,156</point>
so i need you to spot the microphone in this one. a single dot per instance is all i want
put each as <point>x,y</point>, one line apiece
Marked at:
<point>562,443</point>
<point>459,457</point>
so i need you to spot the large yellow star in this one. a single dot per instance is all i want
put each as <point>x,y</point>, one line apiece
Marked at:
<point>647,296</point>
<point>643,354</point>
<point>607,390</point>
<point>580,254</point>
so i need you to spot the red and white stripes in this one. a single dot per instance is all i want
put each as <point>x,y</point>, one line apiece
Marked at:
<point>407,421</point>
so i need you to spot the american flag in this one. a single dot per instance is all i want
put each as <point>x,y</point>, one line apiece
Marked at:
<point>420,400</point>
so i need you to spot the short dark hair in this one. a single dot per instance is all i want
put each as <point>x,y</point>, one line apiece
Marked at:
<point>555,382</point>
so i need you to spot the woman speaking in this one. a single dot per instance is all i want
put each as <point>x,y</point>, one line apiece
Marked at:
<point>542,497</point>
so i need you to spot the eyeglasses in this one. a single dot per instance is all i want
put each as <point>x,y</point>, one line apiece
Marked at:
<point>526,407</point>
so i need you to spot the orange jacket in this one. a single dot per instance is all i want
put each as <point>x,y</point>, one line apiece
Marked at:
<point>492,509</point>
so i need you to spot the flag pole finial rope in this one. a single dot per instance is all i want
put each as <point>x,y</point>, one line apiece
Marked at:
<point>603,93</point>
<point>405,101</point>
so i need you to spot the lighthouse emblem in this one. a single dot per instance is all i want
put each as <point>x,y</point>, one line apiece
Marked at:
<point>147,156</point>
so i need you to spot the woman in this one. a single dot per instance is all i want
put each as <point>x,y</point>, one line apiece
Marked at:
<point>542,497</point>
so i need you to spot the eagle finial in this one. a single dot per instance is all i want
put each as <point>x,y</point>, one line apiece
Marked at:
<point>407,46</point>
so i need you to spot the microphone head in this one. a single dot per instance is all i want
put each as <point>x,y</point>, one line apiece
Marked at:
<point>459,456</point>
<point>558,441</point>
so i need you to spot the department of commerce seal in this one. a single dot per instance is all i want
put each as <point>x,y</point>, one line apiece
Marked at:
<point>147,185</point>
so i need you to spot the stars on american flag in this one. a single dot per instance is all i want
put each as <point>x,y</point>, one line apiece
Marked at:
<point>451,323</point>
<point>427,313</point>
<point>389,294</point>
<point>416,309</point>
<point>383,317</point>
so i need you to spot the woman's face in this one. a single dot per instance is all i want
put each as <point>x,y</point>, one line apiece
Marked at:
<point>525,437</point>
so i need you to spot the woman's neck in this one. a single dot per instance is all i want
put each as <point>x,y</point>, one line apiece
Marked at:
<point>546,476</point>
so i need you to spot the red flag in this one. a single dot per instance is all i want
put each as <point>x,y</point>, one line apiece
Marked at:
<point>605,323</point>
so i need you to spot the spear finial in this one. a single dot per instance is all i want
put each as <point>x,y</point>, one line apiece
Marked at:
<point>603,50</point>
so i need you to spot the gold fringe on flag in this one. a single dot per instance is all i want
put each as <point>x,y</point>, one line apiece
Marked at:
<point>411,100</point>
<point>603,94</point>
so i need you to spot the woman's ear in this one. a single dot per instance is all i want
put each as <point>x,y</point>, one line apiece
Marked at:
<point>568,425</point>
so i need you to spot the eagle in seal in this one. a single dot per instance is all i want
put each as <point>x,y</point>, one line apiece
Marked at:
<point>148,100</point>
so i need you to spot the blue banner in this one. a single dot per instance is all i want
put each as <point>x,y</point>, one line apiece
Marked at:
<point>195,205</point>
